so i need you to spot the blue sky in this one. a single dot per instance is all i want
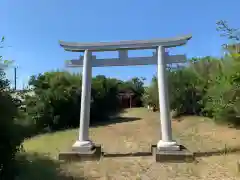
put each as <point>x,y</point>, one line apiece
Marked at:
<point>33,29</point>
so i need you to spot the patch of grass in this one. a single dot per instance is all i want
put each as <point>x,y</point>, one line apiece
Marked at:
<point>39,167</point>
<point>217,148</point>
<point>51,143</point>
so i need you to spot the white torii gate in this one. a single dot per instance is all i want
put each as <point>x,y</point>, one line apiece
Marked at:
<point>160,58</point>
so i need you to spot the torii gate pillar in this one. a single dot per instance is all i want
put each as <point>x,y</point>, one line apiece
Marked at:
<point>166,143</point>
<point>83,143</point>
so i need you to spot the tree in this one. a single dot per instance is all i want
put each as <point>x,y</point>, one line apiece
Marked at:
<point>56,103</point>
<point>232,34</point>
<point>223,94</point>
<point>10,136</point>
<point>226,31</point>
<point>3,63</point>
<point>150,96</point>
<point>137,86</point>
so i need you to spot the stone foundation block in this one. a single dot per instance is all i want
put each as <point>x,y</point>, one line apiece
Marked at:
<point>94,154</point>
<point>183,155</point>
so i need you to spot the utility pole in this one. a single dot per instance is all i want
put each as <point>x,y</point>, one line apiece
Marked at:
<point>15,78</point>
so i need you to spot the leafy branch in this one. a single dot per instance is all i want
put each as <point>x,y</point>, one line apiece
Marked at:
<point>226,31</point>
<point>4,63</point>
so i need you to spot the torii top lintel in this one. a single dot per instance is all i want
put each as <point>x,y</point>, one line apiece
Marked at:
<point>121,45</point>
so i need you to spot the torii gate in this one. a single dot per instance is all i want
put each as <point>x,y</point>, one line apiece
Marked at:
<point>84,146</point>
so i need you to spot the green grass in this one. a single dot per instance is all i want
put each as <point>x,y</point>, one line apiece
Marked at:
<point>54,142</point>
<point>218,149</point>
<point>39,167</point>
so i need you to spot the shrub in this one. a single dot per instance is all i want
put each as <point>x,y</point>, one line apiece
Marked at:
<point>223,96</point>
<point>105,101</point>
<point>206,86</point>
<point>185,91</point>
<point>56,101</point>
<point>150,95</point>
<point>10,136</point>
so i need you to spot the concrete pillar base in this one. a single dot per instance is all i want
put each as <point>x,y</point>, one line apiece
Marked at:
<point>83,146</point>
<point>168,146</point>
<point>82,154</point>
<point>183,155</point>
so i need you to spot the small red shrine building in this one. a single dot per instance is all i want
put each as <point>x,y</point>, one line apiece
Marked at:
<point>127,98</point>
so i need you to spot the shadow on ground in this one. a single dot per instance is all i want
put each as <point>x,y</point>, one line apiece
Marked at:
<point>224,151</point>
<point>35,166</point>
<point>134,154</point>
<point>115,120</point>
<point>220,152</point>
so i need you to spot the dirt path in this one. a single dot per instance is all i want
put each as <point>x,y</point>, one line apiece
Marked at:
<point>141,129</point>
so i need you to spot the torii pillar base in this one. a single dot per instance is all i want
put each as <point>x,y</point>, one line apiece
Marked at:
<point>94,154</point>
<point>171,155</point>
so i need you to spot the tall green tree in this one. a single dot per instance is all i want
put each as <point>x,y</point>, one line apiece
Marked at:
<point>10,136</point>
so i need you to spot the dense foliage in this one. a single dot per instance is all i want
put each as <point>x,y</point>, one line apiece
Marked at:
<point>56,100</point>
<point>150,95</point>
<point>206,86</point>
<point>223,95</point>
<point>10,136</point>
<point>10,139</point>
